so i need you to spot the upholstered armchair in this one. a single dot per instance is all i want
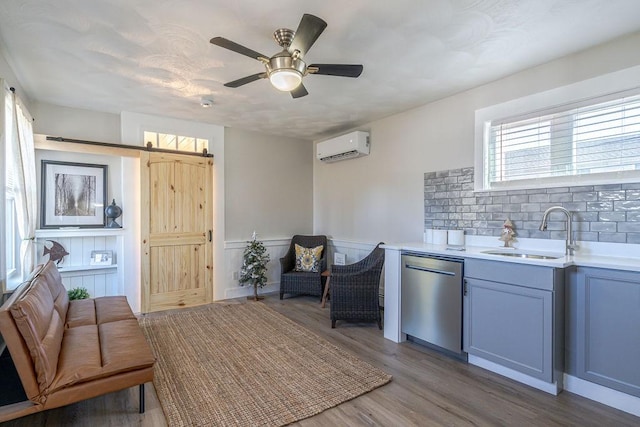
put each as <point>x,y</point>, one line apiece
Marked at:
<point>355,289</point>
<point>303,282</point>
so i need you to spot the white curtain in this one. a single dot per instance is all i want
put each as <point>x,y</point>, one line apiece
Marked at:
<point>24,162</point>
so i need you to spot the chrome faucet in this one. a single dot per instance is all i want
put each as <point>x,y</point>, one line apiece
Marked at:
<point>570,244</point>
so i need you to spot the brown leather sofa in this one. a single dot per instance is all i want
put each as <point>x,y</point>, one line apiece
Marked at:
<point>66,351</point>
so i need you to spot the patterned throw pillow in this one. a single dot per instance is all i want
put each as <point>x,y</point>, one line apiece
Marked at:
<point>308,259</point>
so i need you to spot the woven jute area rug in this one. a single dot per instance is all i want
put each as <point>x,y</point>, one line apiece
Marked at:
<point>247,365</point>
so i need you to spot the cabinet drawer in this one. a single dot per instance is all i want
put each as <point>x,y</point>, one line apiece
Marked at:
<point>531,276</point>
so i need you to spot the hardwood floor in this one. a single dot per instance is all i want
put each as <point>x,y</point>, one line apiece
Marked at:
<point>428,389</point>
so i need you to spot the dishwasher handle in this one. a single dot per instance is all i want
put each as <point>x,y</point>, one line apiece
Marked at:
<point>429,270</point>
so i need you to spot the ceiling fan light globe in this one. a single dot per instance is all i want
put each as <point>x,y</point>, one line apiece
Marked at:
<point>285,79</point>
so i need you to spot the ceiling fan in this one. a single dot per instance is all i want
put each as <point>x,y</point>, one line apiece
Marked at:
<point>286,69</point>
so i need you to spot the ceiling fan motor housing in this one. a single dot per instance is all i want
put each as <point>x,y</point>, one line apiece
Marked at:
<point>286,68</point>
<point>283,60</point>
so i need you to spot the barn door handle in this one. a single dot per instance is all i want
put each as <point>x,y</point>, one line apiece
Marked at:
<point>210,235</point>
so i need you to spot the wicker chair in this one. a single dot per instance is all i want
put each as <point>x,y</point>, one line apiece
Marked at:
<point>302,283</point>
<point>355,289</point>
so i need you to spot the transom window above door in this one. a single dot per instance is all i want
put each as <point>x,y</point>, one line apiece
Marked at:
<point>176,142</point>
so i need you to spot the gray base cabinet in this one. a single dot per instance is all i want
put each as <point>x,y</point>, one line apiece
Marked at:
<point>603,325</point>
<point>511,316</point>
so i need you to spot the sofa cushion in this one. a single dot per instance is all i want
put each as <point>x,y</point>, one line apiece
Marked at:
<point>99,310</point>
<point>53,279</point>
<point>111,309</point>
<point>81,312</point>
<point>95,351</point>
<point>79,356</point>
<point>124,347</point>
<point>41,328</point>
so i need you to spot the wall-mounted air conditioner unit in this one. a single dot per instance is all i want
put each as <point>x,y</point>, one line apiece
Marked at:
<point>349,146</point>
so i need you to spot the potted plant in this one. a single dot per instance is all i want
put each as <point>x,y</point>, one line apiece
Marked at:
<point>78,293</point>
<point>254,266</point>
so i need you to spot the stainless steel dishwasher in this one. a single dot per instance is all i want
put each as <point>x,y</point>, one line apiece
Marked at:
<point>432,300</point>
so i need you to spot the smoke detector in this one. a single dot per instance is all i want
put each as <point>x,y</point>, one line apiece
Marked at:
<point>206,102</point>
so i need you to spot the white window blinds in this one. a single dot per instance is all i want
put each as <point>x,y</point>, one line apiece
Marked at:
<point>598,136</point>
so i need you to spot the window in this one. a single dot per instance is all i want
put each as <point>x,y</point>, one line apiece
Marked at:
<point>599,138</point>
<point>176,142</point>
<point>607,137</point>
<point>583,140</point>
<point>11,236</point>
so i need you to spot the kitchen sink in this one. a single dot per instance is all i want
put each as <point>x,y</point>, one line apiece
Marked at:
<point>521,255</point>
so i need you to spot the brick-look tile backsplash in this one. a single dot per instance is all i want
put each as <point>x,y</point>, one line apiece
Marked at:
<point>601,213</point>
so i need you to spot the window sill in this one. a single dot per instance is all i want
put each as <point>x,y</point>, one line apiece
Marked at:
<point>625,177</point>
<point>11,285</point>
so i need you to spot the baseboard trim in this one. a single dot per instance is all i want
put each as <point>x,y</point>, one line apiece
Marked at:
<point>551,388</point>
<point>605,395</point>
<point>245,291</point>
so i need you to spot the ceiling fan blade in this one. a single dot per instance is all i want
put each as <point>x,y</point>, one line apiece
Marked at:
<point>299,92</point>
<point>245,80</point>
<point>342,70</point>
<point>308,31</point>
<point>228,44</point>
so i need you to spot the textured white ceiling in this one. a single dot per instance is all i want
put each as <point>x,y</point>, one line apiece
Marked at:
<point>154,56</point>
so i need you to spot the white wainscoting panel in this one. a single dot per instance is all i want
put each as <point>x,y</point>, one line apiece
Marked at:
<point>355,251</point>
<point>99,282</point>
<point>233,250</point>
<point>75,268</point>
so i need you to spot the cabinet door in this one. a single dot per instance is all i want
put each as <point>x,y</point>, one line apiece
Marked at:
<point>608,328</point>
<point>510,325</point>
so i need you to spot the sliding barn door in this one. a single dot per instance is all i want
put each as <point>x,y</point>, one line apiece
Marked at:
<point>176,220</point>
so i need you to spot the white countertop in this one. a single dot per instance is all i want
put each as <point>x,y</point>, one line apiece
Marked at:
<point>586,259</point>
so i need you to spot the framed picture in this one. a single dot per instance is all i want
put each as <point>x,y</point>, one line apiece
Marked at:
<point>101,258</point>
<point>73,195</point>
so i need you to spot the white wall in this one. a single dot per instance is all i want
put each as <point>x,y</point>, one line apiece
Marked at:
<point>74,123</point>
<point>380,197</point>
<point>269,188</point>
<point>9,76</point>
